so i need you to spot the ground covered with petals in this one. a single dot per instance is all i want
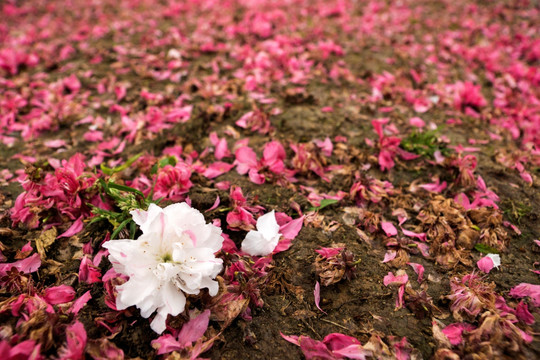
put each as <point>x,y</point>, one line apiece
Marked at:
<point>351,179</point>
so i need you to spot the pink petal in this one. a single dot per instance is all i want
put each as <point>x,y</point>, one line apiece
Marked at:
<point>329,252</point>
<point>292,228</point>
<point>283,244</point>
<point>55,144</point>
<point>523,313</point>
<point>434,187</point>
<point>530,290</point>
<point>216,169</point>
<point>59,294</point>
<point>418,269</point>
<point>290,338</point>
<point>389,256</point>
<point>485,264</point>
<point>417,122</point>
<point>166,344</point>
<point>28,265</point>
<point>75,228</point>
<point>353,352</point>
<point>80,303</point>
<point>412,234</point>
<point>389,228</point>
<point>454,332</point>
<point>75,342</point>
<point>405,155</point>
<point>88,272</point>
<point>390,279</point>
<point>337,341</point>
<point>317,295</point>
<point>255,177</point>
<point>326,146</point>
<point>216,204</point>
<point>194,329</point>
<point>246,159</point>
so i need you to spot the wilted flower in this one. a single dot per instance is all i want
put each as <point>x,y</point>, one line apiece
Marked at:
<point>174,256</point>
<point>335,263</point>
<point>471,296</point>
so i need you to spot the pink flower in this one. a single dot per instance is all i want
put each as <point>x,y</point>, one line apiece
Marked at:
<point>173,182</point>
<point>241,215</point>
<point>270,164</point>
<point>63,195</point>
<point>470,296</point>
<point>468,95</point>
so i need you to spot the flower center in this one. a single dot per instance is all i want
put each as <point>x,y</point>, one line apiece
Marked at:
<point>166,258</point>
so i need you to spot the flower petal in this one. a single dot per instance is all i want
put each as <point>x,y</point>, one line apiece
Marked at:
<point>267,225</point>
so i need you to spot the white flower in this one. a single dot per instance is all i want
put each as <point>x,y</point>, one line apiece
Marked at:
<point>174,256</point>
<point>263,241</point>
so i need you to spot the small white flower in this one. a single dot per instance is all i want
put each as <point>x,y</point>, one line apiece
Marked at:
<point>174,256</point>
<point>263,241</point>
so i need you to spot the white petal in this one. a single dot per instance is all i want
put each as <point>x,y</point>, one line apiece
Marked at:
<point>139,216</point>
<point>135,291</point>
<point>496,258</point>
<point>182,213</point>
<point>131,257</point>
<point>255,244</point>
<point>159,323</point>
<point>267,225</point>
<point>149,220</point>
<point>211,285</point>
<point>174,300</point>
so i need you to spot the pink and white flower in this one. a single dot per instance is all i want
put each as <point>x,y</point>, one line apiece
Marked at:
<point>173,257</point>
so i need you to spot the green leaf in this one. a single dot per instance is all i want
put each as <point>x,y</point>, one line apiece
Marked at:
<point>324,203</point>
<point>485,249</point>
<point>170,160</point>
<point>132,230</point>
<point>125,188</point>
<point>119,228</point>
<point>109,171</point>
